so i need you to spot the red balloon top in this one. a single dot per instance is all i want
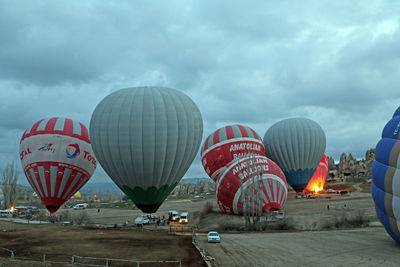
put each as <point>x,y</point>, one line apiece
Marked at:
<point>61,126</point>
<point>226,133</point>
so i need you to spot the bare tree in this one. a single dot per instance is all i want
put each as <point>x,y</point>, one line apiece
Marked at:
<point>9,185</point>
<point>251,195</point>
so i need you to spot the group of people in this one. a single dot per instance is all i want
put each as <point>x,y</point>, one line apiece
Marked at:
<point>159,220</point>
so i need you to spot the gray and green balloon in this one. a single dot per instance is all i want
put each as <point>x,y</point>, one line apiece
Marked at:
<point>146,138</point>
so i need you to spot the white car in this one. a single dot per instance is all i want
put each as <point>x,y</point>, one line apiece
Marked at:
<point>141,220</point>
<point>174,215</point>
<point>184,217</point>
<point>6,213</point>
<point>81,206</point>
<point>213,237</point>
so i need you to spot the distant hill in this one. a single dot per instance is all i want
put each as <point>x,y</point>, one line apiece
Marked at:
<point>197,180</point>
<point>102,187</point>
<point>114,189</point>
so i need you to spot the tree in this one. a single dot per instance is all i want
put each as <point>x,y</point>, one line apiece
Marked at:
<point>251,195</point>
<point>9,185</point>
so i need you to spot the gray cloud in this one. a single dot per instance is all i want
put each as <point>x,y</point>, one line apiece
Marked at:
<point>336,63</point>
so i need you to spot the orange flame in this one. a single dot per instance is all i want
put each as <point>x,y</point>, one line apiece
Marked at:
<point>317,189</point>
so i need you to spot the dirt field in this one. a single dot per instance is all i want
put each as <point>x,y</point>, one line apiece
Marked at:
<point>358,247</point>
<point>305,240</point>
<point>59,243</point>
<point>305,211</point>
<point>117,216</point>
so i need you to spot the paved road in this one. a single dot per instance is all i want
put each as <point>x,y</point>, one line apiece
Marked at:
<point>360,247</point>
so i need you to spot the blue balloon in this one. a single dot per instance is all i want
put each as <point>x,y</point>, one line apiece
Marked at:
<point>397,112</point>
<point>385,173</point>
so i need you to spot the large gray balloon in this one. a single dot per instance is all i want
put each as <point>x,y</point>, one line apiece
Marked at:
<point>297,145</point>
<point>146,138</point>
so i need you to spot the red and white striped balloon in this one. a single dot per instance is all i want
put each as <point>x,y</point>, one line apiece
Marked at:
<point>248,179</point>
<point>57,159</point>
<point>226,144</point>
<point>318,179</point>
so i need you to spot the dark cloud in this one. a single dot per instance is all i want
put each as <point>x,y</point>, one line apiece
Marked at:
<point>251,63</point>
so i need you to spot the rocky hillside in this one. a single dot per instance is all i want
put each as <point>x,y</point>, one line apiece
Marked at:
<point>189,189</point>
<point>350,168</point>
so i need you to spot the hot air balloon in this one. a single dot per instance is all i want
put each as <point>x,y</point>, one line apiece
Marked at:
<point>250,184</point>
<point>77,195</point>
<point>317,181</point>
<point>297,146</point>
<point>57,159</point>
<point>146,138</point>
<point>385,172</point>
<point>226,144</point>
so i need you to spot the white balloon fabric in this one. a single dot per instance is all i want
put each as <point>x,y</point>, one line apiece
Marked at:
<point>146,138</point>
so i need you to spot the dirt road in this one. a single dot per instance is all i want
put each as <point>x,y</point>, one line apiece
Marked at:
<point>365,246</point>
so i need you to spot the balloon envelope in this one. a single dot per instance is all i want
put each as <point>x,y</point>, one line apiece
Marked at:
<point>318,179</point>
<point>146,139</point>
<point>297,146</point>
<point>228,143</point>
<point>248,179</point>
<point>385,172</point>
<point>57,159</point>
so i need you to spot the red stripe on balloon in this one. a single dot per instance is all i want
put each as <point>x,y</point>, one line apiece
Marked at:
<point>206,144</point>
<point>68,184</point>
<point>50,125</point>
<point>84,132</point>
<point>47,178</point>
<point>229,132</point>
<point>37,177</point>
<point>254,133</point>
<point>34,127</point>
<point>68,127</point>
<point>76,186</point>
<point>265,191</point>
<point>33,183</point>
<point>243,131</point>
<point>60,174</point>
<point>216,137</point>
<point>271,188</point>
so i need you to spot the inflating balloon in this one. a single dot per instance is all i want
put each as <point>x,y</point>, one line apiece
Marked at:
<point>386,177</point>
<point>317,181</point>
<point>146,138</point>
<point>251,185</point>
<point>228,143</point>
<point>297,146</point>
<point>57,159</point>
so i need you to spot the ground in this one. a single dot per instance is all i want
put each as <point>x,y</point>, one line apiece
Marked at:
<point>346,234</point>
<point>355,247</point>
<point>59,243</point>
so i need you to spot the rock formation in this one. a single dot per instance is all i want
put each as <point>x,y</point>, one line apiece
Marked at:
<point>188,189</point>
<point>350,168</point>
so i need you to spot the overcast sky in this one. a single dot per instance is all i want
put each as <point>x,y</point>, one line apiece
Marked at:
<point>247,62</point>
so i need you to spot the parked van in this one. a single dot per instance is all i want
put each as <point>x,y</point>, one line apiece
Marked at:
<point>5,213</point>
<point>81,206</point>
<point>184,217</point>
<point>173,215</point>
